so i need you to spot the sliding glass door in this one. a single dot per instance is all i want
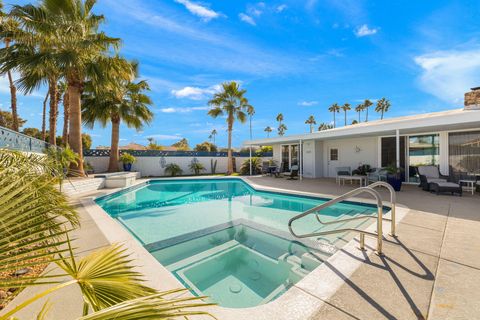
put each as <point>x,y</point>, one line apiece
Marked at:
<point>464,154</point>
<point>423,150</point>
<point>290,156</point>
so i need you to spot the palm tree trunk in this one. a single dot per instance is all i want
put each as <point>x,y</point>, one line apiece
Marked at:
<point>382,115</point>
<point>114,156</point>
<point>334,121</point>
<point>75,134</point>
<point>366,117</point>
<point>311,127</point>
<point>13,95</point>
<point>52,88</point>
<point>66,116</point>
<point>44,115</point>
<point>229,153</point>
<point>345,118</point>
<point>359,117</point>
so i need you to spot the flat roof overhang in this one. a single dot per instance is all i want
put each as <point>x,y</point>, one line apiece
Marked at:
<point>435,122</point>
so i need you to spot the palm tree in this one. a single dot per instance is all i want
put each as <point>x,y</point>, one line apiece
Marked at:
<point>123,100</point>
<point>80,51</point>
<point>334,108</point>
<point>268,130</point>
<point>250,112</point>
<point>66,111</point>
<point>382,106</point>
<point>7,31</point>
<point>231,102</point>
<point>213,134</point>
<point>311,121</point>
<point>359,108</point>
<point>366,104</point>
<point>44,112</point>
<point>354,121</point>
<point>281,129</point>
<point>346,107</point>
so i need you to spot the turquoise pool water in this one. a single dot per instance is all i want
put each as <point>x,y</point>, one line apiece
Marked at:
<point>226,240</point>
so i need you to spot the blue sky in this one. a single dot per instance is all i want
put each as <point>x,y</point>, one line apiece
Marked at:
<point>294,57</point>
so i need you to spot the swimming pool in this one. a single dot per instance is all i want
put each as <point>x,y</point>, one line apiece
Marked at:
<point>226,240</point>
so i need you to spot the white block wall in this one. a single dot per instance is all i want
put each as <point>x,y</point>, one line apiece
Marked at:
<point>151,166</point>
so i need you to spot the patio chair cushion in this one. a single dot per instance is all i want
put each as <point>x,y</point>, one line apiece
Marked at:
<point>429,171</point>
<point>343,171</point>
<point>439,187</point>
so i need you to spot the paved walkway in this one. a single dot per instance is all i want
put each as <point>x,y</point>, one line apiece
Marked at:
<point>431,270</point>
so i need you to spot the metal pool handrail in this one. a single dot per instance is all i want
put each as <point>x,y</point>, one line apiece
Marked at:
<point>393,202</point>
<point>378,234</point>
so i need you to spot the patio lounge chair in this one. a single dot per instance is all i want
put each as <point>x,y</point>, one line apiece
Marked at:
<point>377,174</point>
<point>265,166</point>
<point>428,175</point>
<point>293,173</point>
<point>440,187</point>
<point>343,171</point>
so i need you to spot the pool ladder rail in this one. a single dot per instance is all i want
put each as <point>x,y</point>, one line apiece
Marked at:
<point>379,216</point>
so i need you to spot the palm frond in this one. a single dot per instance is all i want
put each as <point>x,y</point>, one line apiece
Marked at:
<point>157,306</point>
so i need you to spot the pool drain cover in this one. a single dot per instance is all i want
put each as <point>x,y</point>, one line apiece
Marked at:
<point>235,288</point>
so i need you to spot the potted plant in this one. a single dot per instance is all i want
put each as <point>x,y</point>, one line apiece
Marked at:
<point>394,177</point>
<point>127,159</point>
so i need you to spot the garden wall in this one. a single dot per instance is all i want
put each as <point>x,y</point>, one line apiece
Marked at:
<point>152,164</point>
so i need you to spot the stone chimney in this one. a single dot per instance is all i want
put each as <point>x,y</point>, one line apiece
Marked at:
<point>472,99</point>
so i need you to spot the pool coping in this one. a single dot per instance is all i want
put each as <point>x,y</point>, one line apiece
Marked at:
<point>301,301</point>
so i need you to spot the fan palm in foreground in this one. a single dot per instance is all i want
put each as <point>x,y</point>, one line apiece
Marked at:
<point>35,219</point>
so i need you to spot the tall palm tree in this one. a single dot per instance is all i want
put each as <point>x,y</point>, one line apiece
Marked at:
<point>44,113</point>
<point>8,29</point>
<point>230,101</point>
<point>382,106</point>
<point>346,107</point>
<point>213,134</point>
<point>250,112</point>
<point>311,121</point>
<point>81,52</point>
<point>281,129</point>
<point>359,108</point>
<point>334,108</point>
<point>367,104</point>
<point>123,100</point>
<point>63,88</point>
<point>268,130</point>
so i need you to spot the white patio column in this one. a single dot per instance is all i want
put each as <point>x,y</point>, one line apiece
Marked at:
<point>397,141</point>
<point>300,162</point>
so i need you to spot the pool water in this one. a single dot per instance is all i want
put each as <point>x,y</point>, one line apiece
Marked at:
<point>223,239</point>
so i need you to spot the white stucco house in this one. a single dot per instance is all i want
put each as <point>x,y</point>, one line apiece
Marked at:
<point>449,139</point>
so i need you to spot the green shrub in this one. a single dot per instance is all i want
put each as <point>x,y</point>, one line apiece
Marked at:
<point>173,169</point>
<point>196,167</point>
<point>256,166</point>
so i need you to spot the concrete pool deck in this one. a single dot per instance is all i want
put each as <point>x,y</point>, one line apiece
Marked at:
<point>432,269</point>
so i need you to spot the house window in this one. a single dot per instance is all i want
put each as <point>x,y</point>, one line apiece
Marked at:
<point>333,154</point>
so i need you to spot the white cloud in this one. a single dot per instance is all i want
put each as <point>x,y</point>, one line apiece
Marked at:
<point>364,30</point>
<point>182,109</point>
<point>203,12</point>
<point>165,136</point>
<point>307,103</point>
<point>195,93</point>
<point>449,74</point>
<point>247,19</point>
<point>281,8</point>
